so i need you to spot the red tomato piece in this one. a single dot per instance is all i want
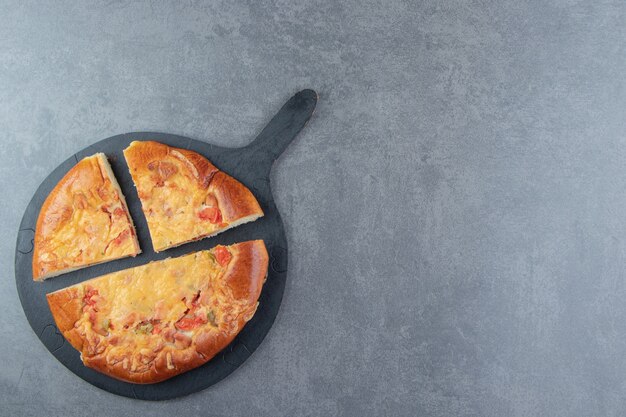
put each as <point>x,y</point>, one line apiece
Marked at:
<point>222,255</point>
<point>188,323</point>
<point>211,214</point>
<point>185,323</point>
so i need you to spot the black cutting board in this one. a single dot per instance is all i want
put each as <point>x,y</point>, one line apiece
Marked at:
<point>251,165</point>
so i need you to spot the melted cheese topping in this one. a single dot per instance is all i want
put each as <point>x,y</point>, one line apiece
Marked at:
<point>176,198</point>
<point>137,312</point>
<point>175,207</point>
<point>84,221</point>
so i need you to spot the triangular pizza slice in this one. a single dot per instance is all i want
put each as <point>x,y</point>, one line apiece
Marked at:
<point>84,221</point>
<point>152,322</point>
<point>184,197</point>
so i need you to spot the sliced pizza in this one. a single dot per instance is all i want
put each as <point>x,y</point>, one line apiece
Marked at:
<point>152,322</point>
<point>84,221</point>
<point>184,197</point>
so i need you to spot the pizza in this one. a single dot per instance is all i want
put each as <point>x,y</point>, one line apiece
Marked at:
<point>184,196</point>
<point>83,221</point>
<point>152,322</point>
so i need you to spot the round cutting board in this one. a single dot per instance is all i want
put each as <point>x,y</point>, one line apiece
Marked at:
<point>250,165</point>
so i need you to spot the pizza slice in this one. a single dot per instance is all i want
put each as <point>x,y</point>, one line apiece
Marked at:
<point>184,197</point>
<point>152,322</point>
<point>84,221</point>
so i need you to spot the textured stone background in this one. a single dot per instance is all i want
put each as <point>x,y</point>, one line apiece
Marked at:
<point>455,210</point>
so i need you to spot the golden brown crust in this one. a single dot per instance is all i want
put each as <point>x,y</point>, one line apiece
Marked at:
<point>235,199</point>
<point>66,307</point>
<point>245,276</point>
<point>83,221</point>
<point>199,164</point>
<point>184,196</point>
<point>139,155</point>
<point>231,295</point>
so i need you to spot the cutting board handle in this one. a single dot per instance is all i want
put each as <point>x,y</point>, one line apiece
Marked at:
<point>283,128</point>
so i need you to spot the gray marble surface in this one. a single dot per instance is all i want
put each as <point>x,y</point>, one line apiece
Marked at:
<point>455,210</point>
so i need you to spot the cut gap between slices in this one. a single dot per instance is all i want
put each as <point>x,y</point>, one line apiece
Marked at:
<point>107,166</point>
